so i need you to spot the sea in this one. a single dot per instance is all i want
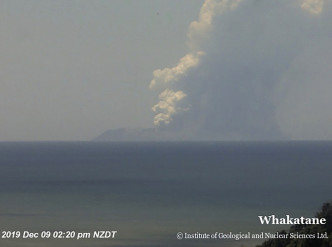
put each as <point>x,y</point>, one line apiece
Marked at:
<point>156,194</point>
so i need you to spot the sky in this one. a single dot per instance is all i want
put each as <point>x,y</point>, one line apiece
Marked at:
<point>207,70</point>
<point>72,69</point>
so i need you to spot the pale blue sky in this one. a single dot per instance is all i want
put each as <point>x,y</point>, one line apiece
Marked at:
<point>72,69</point>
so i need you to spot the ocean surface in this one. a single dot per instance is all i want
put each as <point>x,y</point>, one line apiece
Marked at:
<point>148,192</point>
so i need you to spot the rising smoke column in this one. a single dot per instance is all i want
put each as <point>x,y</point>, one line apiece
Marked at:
<point>240,52</point>
<point>167,78</point>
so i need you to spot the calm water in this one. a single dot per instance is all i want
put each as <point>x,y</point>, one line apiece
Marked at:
<point>150,191</point>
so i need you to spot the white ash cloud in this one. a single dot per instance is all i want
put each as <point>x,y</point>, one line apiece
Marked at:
<point>314,7</point>
<point>198,31</point>
<point>248,69</point>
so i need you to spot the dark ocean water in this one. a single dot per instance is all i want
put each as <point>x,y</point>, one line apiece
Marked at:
<point>149,192</point>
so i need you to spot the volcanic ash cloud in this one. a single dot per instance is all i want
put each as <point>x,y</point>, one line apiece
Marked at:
<point>248,68</point>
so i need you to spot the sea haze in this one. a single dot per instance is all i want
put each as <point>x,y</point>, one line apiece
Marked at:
<point>150,191</point>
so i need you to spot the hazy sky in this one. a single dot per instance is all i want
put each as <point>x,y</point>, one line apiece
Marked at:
<point>213,69</point>
<point>73,69</point>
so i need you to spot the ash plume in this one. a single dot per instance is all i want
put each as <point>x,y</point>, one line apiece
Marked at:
<point>249,68</point>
